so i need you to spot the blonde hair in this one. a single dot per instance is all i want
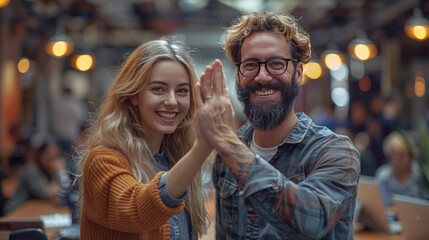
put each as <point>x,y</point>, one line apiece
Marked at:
<point>398,140</point>
<point>117,124</point>
<point>267,22</point>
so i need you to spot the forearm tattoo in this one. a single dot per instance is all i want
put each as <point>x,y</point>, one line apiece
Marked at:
<point>239,159</point>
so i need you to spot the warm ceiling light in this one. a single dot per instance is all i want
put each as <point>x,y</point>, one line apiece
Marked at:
<point>417,26</point>
<point>312,70</point>
<point>60,45</point>
<point>4,3</point>
<point>83,62</point>
<point>419,84</point>
<point>23,65</point>
<point>333,59</point>
<point>362,47</point>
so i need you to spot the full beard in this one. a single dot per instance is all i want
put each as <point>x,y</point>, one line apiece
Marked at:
<point>266,115</point>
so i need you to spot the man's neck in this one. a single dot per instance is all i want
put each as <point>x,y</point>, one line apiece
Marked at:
<point>274,137</point>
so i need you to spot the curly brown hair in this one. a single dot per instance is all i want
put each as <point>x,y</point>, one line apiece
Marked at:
<point>267,22</point>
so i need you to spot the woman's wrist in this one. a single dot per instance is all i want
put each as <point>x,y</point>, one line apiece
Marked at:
<point>203,145</point>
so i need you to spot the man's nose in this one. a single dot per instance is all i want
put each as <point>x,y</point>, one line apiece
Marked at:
<point>263,74</point>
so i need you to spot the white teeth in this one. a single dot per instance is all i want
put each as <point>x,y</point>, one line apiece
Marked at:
<point>264,92</point>
<point>168,115</point>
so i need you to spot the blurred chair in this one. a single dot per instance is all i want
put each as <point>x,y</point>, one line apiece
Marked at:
<point>28,234</point>
<point>20,229</point>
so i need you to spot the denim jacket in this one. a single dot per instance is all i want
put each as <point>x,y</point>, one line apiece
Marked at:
<point>306,191</point>
<point>180,224</point>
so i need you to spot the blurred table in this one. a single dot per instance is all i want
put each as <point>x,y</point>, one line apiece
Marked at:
<point>33,209</point>
<point>370,235</point>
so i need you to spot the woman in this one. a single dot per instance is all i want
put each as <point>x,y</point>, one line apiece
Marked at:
<point>139,168</point>
<point>400,174</point>
<point>43,176</point>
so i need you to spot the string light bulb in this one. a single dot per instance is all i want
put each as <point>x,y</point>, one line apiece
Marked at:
<point>417,26</point>
<point>333,58</point>
<point>60,45</point>
<point>83,61</point>
<point>4,3</point>
<point>362,47</point>
<point>313,70</point>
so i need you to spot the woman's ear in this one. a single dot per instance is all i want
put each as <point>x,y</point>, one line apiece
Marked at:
<point>133,100</point>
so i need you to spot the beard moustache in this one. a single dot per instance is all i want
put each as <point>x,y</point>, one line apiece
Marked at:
<point>265,115</point>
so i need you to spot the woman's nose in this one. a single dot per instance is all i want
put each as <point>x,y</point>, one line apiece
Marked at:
<point>170,99</point>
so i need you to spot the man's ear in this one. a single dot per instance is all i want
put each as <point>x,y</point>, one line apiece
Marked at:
<point>298,72</point>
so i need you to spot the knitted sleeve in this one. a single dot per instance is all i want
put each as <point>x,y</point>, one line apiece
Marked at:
<point>114,198</point>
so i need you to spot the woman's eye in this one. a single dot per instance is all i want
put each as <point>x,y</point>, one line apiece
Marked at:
<point>183,91</point>
<point>157,89</point>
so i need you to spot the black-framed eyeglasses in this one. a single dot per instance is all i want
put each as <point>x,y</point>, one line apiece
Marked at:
<point>274,66</point>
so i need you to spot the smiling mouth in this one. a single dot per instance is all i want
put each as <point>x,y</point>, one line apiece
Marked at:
<point>167,115</point>
<point>264,92</point>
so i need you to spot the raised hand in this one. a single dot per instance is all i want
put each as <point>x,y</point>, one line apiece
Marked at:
<point>214,109</point>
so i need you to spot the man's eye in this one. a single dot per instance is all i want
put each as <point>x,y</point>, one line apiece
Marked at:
<point>277,64</point>
<point>250,65</point>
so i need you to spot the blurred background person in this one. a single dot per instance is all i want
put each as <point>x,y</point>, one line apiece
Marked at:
<point>42,176</point>
<point>400,174</point>
<point>15,157</point>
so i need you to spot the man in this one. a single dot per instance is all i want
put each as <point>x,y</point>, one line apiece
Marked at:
<point>282,177</point>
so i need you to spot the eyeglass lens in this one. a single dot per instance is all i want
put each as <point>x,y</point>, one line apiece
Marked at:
<point>274,66</point>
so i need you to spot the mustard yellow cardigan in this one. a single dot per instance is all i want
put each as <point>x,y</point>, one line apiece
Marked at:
<point>116,206</point>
